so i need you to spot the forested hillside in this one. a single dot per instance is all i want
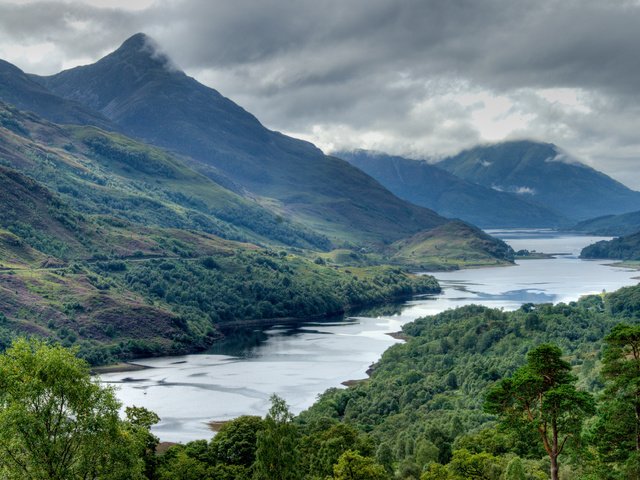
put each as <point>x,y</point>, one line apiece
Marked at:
<point>621,248</point>
<point>547,390</point>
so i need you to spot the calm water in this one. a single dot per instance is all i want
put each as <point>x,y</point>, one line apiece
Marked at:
<point>300,361</point>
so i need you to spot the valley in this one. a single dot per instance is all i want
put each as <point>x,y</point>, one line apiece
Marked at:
<point>306,358</point>
<point>188,292</point>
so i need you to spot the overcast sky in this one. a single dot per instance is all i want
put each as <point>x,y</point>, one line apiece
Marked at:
<point>421,78</point>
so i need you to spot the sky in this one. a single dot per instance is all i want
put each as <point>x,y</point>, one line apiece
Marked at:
<point>419,78</point>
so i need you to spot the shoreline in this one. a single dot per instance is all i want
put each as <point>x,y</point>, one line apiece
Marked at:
<point>131,366</point>
<point>120,367</point>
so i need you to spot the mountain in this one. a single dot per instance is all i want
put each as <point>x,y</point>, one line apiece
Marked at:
<point>542,173</point>
<point>115,247</point>
<point>610,225</point>
<point>18,89</point>
<point>622,248</point>
<point>105,173</point>
<point>432,187</point>
<point>141,91</point>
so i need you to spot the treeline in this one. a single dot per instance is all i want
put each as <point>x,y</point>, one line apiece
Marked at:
<point>621,248</point>
<point>264,284</point>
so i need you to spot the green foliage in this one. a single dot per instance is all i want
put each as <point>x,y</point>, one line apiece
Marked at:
<point>235,443</point>
<point>617,431</point>
<point>56,423</point>
<point>277,445</point>
<point>622,248</point>
<point>219,288</point>
<point>541,396</point>
<point>353,466</point>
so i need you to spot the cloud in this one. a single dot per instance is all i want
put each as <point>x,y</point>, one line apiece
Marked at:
<point>410,77</point>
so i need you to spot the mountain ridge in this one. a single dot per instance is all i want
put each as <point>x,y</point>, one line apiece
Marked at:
<point>430,186</point>
<point>542,173</point>
<point>167,108</point>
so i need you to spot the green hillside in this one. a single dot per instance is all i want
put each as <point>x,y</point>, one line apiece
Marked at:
<point>621,248</point>
<point>453,245</point>
<point>118,290</point>
<point>104,173</point>
<point>118,247</point>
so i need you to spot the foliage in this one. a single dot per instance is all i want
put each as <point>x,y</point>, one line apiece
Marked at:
<point>542,396</point>
<point>56,423</point>
<point>353,466</point>
<point>622,248</point>
<point>277,445</point>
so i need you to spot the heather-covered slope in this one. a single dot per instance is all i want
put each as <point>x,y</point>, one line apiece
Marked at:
<point>105,173</point>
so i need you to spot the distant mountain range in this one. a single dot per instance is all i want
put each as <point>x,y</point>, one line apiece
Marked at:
<point>433,187</point>
<point>543,174</point>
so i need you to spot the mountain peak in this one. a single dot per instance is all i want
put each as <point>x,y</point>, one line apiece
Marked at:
<point>136,42</point>
<point>141,49</point>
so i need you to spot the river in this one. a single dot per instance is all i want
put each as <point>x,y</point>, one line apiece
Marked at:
<point>300,361</point>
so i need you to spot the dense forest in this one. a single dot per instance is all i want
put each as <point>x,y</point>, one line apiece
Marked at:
<point>546,391</point>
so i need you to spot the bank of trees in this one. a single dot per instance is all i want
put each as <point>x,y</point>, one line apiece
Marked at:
<point>475,393</point>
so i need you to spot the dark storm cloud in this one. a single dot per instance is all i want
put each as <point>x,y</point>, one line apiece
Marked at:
<point>409,76</point>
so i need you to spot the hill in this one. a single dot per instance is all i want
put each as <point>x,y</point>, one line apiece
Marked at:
<point>541,173</point>
<point>119,290</point>
<point>141,91</point>
<point>453,245</point>
<point>613,225</point>
<point>621,248</point>
<point>432,187</point>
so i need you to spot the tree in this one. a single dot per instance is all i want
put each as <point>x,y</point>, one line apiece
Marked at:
<point>235,443</point>
<point>515,470</point>
<point>477,466</point>
<point>277,444</point>
<point>618,426</point>
<point>56,423</point>
<point>353,466</point>
<point>541,395</point>
<point>140,420</point>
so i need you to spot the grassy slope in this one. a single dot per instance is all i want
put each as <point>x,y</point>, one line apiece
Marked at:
<point>105,173</point>
<point>455,244</point>
<point>119,290</point>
